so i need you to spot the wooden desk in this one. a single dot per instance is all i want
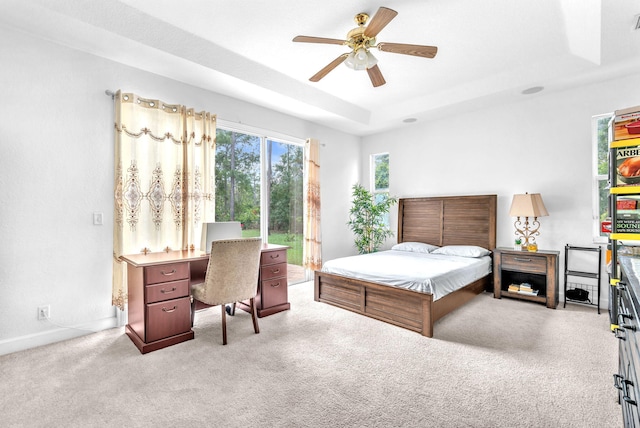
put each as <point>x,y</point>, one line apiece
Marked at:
<point>159,290</point>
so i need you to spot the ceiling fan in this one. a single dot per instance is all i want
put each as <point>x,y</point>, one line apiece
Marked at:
<point>361,40</point>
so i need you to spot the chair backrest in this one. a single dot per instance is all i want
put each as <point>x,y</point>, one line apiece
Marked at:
<point>232,273</point>
<point>218,231</point>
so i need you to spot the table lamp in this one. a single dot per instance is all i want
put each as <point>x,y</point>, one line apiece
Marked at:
<point>527,205</point>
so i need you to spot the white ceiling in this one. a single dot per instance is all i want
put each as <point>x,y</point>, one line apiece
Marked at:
<point>489,51</point>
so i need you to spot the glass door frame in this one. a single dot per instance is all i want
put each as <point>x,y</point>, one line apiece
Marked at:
<point>264,136</point>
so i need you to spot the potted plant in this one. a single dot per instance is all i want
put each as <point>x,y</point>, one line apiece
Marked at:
<point>518,244</point>
<point>367,219</point>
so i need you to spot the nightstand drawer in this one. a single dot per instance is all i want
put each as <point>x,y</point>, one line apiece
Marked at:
<point>524,263</point>
<point>167,290</point>
<point>167,272</point>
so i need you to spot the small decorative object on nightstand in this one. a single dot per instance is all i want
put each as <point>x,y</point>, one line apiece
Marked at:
<point>529,276</point>
<point>518,244</point>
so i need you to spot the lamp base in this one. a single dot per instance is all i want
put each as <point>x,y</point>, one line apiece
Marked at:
<point>527,233</point>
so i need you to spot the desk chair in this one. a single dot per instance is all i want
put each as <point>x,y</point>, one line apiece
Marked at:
<point>232,276</point>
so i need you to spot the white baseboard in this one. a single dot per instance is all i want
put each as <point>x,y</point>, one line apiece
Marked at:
<point>56,335</point>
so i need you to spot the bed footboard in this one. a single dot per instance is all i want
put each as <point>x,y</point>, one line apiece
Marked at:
<point>405,308</point>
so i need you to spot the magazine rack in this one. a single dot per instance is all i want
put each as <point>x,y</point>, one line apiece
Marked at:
<point>576,288</point>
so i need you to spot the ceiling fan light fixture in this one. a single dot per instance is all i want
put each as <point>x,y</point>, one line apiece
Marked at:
<point>360,59</point>
<point>350,61</point>
<point>371,60</point>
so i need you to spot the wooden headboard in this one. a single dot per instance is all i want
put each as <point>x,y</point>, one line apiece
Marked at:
<point>448,220</point>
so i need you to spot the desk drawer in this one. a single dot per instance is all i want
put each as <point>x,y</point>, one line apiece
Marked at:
<point>273,271</point>
<point>167,290</point>
<point>271,257</point>
<point>168,272</point>
<point>273,292</point>
<point>166,319</point>
<point>524,263</point>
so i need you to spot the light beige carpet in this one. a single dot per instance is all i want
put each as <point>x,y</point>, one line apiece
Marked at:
<point>492,363</point>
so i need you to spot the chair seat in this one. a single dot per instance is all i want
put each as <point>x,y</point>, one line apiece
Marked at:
<point>198,292</point>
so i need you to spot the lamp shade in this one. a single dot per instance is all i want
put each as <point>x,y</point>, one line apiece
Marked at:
<point>528,205</point>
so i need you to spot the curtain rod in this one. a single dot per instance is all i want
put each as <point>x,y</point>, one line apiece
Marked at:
<point>112,94</point>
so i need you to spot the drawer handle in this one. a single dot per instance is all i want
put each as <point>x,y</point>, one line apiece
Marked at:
<point>520,259</point>
<point>625,392</point>
<point>275,285</point>
<point>168,273</point>
<point>163,291</point>
<point>169,310</point>
<point>275,270</point>
<point>618,334</point>
<point>616,381</point>
<point>274,257</point>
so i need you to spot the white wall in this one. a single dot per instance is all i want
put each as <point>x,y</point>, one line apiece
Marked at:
<point>57,169</point>
<point>542,144</point>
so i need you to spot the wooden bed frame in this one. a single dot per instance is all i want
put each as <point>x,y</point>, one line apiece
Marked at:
<point>445,220</point>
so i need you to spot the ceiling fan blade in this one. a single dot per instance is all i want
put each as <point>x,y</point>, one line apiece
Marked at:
<point>310,39</point>
<point>380,20</point>
<point>402,48</point>
<point>333,64</point>
<point>376,76</point>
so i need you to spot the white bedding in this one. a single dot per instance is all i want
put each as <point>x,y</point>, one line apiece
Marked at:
<point>425,272</point>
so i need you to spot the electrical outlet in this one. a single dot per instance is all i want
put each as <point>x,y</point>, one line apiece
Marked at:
<point>44,312</point>
<point>97,218</point>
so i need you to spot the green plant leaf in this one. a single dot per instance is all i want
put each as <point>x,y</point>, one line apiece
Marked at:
<point>367,219</point>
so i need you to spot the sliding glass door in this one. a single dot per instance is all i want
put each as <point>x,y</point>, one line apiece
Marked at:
<point>284,183</point>
<point>259,182</point>
<point>238,180</point>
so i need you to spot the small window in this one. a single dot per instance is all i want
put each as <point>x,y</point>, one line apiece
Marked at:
<point>600,134</point>
<point>380,177</point>
<point>380,172</point>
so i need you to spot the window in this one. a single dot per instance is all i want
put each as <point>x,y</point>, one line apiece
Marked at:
<point>380,177</point>
<point>600,134</point>
<point>259,182</point>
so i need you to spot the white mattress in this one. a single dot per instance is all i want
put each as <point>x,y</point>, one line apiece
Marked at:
<point>428,273</point>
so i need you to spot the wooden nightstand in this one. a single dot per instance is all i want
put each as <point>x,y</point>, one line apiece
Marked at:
<point>540,269</point>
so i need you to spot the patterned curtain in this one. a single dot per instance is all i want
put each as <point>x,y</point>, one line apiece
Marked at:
<point>312,259</point>
<point>164,180</point>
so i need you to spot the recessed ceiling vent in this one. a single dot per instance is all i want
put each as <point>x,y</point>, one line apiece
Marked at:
<point>533,90</point>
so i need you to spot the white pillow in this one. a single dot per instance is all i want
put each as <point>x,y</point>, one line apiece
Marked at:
<point>462,251</point>
<point>416,247</point>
